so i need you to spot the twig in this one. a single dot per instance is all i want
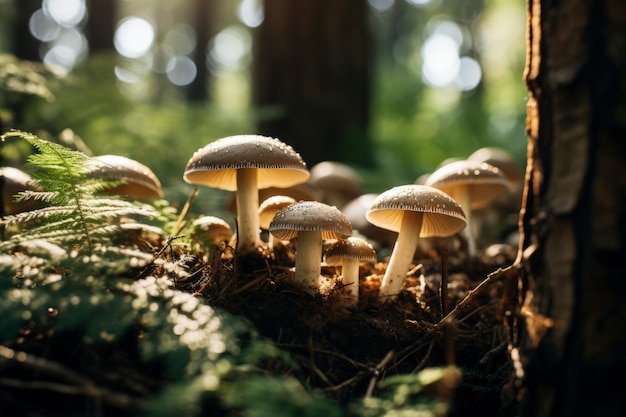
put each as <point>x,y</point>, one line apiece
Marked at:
<point>377,372</point>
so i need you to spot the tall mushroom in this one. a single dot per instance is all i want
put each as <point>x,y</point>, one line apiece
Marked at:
<point>139,181</point>
<point>311,222</point>
<point>473,185</point>
<point>349,253</point>
<point>413,211</point>
<point>246,163</point>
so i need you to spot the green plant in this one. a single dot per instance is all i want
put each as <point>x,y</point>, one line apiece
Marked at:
<point>74,217</point>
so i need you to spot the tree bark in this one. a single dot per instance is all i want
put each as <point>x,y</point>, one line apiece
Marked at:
<point>311,75</point>
<point>567,335</point>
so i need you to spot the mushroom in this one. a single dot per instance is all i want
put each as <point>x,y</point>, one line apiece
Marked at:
<point>356,209</point>
<point>473,185</point>
<point>12,182</point>
<point>210,231</point>
<point>268,209</point>
<point>138,180</point>
<point>338,182</point>
<point>413,211</point>
<point>311,222</point>
<point>246,163</point>
<point>349,253</point>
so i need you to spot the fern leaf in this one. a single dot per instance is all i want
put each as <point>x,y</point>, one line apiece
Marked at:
<point>76,216</point>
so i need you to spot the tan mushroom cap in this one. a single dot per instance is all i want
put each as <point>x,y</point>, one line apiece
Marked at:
<point>483,181</point>
<point>349,248</point>
<point>442,216</point>
<point>310,216</point>
<point>336,177</point>
<point>502,160</point>
<point>216,164</point>
<point>211,229</point>
<point>141,182</point>
<point>270,206</point>
<point>14,181</point>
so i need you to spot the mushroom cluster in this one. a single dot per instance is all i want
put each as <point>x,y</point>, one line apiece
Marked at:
<point>395,220</point>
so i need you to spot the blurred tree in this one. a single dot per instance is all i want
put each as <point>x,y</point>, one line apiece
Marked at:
<point>311,66</point>
<point>100,28</point>
<point>569,353</point>
<point>25,46</point>
<point>203,10</point>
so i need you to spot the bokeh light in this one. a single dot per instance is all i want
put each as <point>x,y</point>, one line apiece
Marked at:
<point>133,37</point>
<point>251,13</point>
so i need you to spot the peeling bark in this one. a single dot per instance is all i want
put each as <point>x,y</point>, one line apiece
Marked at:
<point>570,344</point>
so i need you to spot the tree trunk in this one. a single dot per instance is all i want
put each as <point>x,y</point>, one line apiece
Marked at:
<point>569,344</point>
<point>203,11</point>
<point>101,25</point>
<point>311,74</point>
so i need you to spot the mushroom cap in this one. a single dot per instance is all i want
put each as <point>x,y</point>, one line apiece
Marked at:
<point>211,229</point>
<point>141,182</point>
<point>336,176</point>
<point>502,160</point>
<point>310,216</point>
<point>15,181</point>
<point>270,206</point>
<point>349,248</point>
<point>442,215</point>
<point>216,164</point>
<point>356,210</point>
<point>484,181</point>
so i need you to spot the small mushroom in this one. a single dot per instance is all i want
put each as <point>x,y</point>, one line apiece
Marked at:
<point>210,231</point>
<point>338,182</point>
<point>310,222</point>
<point>473,185</point>
<point>12,182</point>
<point>139,180</point>
<point>246,163</point>
<point>413,211</point>
<point>349,253</point>
<point>268,209</point>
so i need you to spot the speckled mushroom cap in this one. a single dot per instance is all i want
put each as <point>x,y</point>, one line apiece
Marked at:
<point>14,181</point>
<point>270,206</point>
<point>310,216</point>
<point>349,248</point>
<point>485,181</point>
<point>216,164</point>
<point>502,160</point>
<point>442,215</point>
<point>141,182</point>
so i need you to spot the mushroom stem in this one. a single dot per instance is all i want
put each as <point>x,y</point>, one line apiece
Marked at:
<point>463,197</point>
<point>401,255</point>
<point>247,209</point>
<point>350,276</point>
<point>309,260</point>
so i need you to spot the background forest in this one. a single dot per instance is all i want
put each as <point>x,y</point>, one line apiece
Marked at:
<point>444,78</point>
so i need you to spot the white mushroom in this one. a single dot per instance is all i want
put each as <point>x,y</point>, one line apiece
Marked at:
<point>473,185</point>
<point>311,222</point>
<point>246,163</point>
<point>349,253</point>
<point>413,211</point>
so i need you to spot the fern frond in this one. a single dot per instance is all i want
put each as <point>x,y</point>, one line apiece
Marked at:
<point>76,217</point>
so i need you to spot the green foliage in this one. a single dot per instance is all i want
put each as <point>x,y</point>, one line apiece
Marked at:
<point>75,217</point>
